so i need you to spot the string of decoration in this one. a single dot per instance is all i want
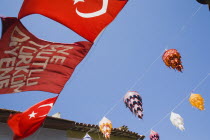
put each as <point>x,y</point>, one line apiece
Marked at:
<point>183,27</point>
<point>147,70</point>
<point>177,105</point>
<point>133,85</point>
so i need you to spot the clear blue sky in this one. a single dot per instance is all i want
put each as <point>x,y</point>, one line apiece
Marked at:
<point>125,53</point>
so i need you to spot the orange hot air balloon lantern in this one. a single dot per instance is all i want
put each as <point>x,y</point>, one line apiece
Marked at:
<point>197,101</point>
<point>172,59</point>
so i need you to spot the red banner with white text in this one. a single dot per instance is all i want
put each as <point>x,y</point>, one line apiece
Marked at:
<point>28,63</point>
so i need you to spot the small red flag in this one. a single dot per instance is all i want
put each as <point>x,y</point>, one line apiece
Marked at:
<point>28,63</point>
<point>86,17</point>
<point>26,123</point>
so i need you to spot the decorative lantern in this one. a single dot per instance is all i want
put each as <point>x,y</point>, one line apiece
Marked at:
<point>87,137</point>
<point>154,135</point>
<point>105,126</point>
<point>172,59</point>
<point>133,101</point>
<point>177,121</point>
<point>57,115</point>
<point>197,101</point>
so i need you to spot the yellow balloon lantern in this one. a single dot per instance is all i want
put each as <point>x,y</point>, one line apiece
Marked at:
<point>105,126</point>
<point>197,101</point>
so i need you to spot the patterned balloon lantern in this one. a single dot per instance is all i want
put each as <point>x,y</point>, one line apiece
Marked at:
<point>177,121</point>
<point>105,126</point>
<point>197,101</point>
<point>154,135</point>
<point>133,101</point>
<point>172,59</point>
<point>87,137</point>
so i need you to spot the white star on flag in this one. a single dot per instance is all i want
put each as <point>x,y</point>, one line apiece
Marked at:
<point>75,1</point>
<point>32,115</point>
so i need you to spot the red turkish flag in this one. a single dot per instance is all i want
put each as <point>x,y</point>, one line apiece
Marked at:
<point>26,123</point>
<point>28,63</point>
<point>86,17</point>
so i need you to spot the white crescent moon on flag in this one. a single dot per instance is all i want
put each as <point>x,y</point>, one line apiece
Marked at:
<point>95,14</point>
<point>51,105</point>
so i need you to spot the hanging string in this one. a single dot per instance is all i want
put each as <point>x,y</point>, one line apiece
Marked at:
<point>140,77</point>
<point>187,96</point>
<point>158,122</point>
<point>166,47</point>
<point>192,91</point>
<point>199,84</point>
<point>114,107</point>
<point>146,71</point>
<point>183,26</point>
<point>181,30</point>
<point>134,84</point>
<point>117,103</point>
<point>110,110</point>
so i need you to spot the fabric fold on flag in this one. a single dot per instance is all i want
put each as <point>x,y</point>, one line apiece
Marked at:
<point>26,123</point>
<point>28,63</point>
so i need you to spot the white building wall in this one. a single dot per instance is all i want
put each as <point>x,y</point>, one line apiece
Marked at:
<point>40,134</point>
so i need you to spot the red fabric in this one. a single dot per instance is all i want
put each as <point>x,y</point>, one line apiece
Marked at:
<point>64,11</point>
<point>28,63</point>
<point>26,123</point>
